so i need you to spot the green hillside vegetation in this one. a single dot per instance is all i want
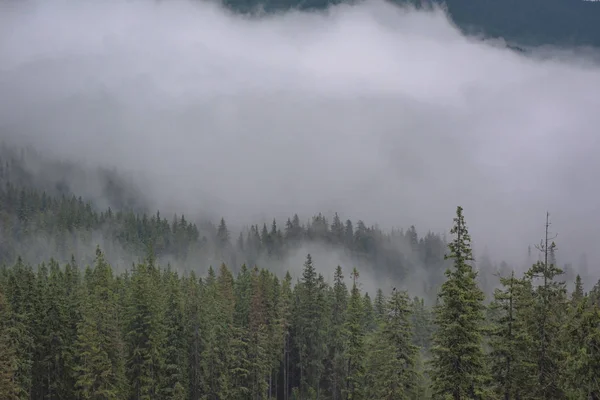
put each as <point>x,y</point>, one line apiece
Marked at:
<point>91,328</point>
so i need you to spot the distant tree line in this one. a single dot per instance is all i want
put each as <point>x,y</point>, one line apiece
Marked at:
<point>71,332</point>
<point>37,224</point>
<point>526,22</point>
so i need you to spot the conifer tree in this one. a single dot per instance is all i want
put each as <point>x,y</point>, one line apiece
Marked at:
<point>175,373</point>
<point>458,368</point>
<point>21,300</point>
<point>100,368</point>
<point>74,296</point>
<point>577,294</point>
<point>336,363</point>
<point>546,318</point>
<point>232,354</point>
<point>194,332</point>
<point>379,305</point>
<point>309,337</point>
<point>582,362</point>
<point>511,370</point>
<point>145,333</point>
<point>9,388</point>
<point>258,356</point>
<point>286,324</point>
<point>54,336</point>
<point>213,361</point>
<point>355,331</point>
<point>396,377</point>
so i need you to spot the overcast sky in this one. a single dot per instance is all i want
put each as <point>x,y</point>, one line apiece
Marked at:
<point>379,113</point>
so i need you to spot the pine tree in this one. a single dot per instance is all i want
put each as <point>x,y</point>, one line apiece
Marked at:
<point>258,356</point>
<point>379,305</point>
<point>546,319</point>
<point>145,333</point>
<point>286,322</point>
<point>336,363</point>
<point>355,331</point>
<point>512,372</point>
<point>309,335</point>
<point>217,330</point>
<point>74,296</point>
<point>9,388</point>
<point>194,334</point>
<point>54,337</point>
<point>458,368</point>
<point>231,354</point>
<point>100,368</point>
<point>396,377</point>
<point>21,295</point>
<point>582,338</point>
<point>175,373</point>
<point>577,294</point>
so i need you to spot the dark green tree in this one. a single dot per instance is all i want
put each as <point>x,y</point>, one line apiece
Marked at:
<point>458,369</point>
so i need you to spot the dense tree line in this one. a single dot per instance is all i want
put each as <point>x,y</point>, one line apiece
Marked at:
<point>39,223</point>
<point>74,332</point>
<point>71,333</point>
<point>42,217</point>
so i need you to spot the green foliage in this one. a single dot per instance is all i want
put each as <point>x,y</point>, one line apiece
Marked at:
<point>458,367</point>
<point>9,388</point>
<point>395,357</point>
<point>162,333</point>
<point>512,371</point>
<point>355,336</point>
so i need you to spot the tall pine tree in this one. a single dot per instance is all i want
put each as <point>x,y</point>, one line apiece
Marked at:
<point>458,369</point>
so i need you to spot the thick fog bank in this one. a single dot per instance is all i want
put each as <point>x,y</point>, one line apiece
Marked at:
<point>380,113</point>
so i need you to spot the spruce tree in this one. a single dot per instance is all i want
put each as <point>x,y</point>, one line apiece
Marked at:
<point>309,335</point>
<point>100,368</point>
<point>9,388</point>
<point>355,331</point>
<point>175,372</point>
<point>512,372</point>
<point>217,331</point>
<point>336,366</point>
<point>546,319</point>
<point>194,333</point>
<point>286,325</point>
<point>145,333</point>
<point>396,377</point>
<point>458,369</point>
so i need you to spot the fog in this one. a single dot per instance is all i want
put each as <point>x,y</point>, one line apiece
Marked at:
<point>380,113</point>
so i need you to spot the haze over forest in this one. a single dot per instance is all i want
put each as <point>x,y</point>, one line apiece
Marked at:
<point>377,112</point>
<point>200,201</point>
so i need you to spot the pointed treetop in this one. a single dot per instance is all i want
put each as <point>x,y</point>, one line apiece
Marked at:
<point>460,247</point>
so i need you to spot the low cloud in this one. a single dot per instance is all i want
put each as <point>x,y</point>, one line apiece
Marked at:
<point>378,112</point>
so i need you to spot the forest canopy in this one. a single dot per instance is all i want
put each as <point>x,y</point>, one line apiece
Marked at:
<point>90,328</point>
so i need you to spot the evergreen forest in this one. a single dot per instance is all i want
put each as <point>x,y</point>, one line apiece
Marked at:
<point>79,322</point>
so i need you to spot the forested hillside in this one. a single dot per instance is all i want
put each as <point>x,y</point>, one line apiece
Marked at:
<point>38,224</point>
<point>146,316</point>
<point>75,332</point>
<point>526,22</point>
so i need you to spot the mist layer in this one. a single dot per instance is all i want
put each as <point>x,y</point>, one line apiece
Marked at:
<point>380,113</point>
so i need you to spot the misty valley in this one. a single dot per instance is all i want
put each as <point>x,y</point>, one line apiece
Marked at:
<point>119,303</point>
<point>284,200</point>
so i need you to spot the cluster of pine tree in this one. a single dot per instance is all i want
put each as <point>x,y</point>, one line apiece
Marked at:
<point>150,333</point>
<point>36,223</point>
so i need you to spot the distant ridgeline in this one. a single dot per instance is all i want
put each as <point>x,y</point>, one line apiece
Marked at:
<point>526,22</point>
